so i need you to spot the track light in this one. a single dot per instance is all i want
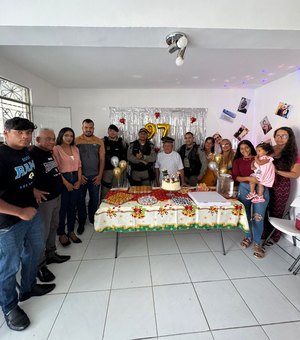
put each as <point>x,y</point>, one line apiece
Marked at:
<point>177,41</point>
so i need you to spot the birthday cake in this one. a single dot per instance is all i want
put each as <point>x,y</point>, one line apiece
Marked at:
<point>171,183</point>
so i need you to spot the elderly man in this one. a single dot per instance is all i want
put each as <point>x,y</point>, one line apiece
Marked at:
<point>48,179</point>
<point>168,160</point>
<point>92,155</point>
<point>21,229</point>
<point>141,156</point>
<point>194,160</point>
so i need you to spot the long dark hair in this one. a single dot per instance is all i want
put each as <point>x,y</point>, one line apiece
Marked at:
<point>213,144</point>
<point>59,139</point>
<point>288,155</point>
<point>238,153</point>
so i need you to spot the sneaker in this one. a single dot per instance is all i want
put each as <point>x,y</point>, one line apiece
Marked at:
<point>17,319</point>
<point>45,275</point>
<point>251,195</point>
<point>258,199</point>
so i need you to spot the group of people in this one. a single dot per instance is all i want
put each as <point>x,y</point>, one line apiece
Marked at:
<point>43,190</point>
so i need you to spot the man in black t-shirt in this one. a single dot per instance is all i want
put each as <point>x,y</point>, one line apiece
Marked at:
<point>21,230</point>
<point>48,179</point>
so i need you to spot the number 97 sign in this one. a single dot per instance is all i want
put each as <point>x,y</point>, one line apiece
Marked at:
<point>152,128</point>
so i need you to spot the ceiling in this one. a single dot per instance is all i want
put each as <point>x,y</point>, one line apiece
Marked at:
<point>138,57</point>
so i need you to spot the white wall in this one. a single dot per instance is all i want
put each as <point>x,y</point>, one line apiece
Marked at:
<point>43,93</point>
<point>95,104</point>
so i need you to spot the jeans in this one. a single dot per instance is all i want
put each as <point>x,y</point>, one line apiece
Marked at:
<point>93,201</point>
<point>20,244</point>
<point>68,205</point>
<point>255,212</point>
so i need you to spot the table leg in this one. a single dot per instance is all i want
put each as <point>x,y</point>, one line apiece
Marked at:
<point>117,244</point>
<point>268,238</point>
<point>222,240</point>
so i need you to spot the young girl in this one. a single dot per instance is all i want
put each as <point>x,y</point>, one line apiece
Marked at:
<point>264,171</point>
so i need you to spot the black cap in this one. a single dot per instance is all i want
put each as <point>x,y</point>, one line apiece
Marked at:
<point>168,140</point>
<point>113,127</point>
<point>19,123</point>
<point>143,130</point>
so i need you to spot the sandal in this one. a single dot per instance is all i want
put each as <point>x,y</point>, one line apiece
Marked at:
<point>74,238</point>
<point>64,240</point>
<point>259,251</point>
<point>251,195</point>
<point>245,243</point>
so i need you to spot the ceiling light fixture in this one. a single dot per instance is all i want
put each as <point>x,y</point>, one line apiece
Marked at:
<point>177,41</point>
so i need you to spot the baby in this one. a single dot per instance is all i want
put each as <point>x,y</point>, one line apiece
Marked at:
<point>264,171</point>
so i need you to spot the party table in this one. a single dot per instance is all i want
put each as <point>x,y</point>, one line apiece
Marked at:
<point>167,214</point>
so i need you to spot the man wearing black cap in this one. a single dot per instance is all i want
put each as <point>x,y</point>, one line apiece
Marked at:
<point>92,155</point>
<point>169,161</point>
<point>141,156</point>
<point>21,229</point>
<point>114,146</point>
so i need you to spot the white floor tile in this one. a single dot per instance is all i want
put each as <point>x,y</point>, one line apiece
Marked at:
<point>100,249</point>
<point>294,251</point>
<point>133,234</point>
<point>132,246</point>
<point>191,336</point>
<point>178,310</point>
<point>167,269</point>
<point>265,301</point>
<point>213,240</point>
<point>64,273</point>
<point>42,312</point>
<point>132,272</point>
<point>162,245</point>
<point>223,306</point>
<point>190,243</point>
<point>88,231</point>
<point>75,250</point>
<point>108,234</point>
<point>160,233</point>
<point>82,317</point>
<point>289,285</point>
<point>238,265</point>
<point>93,275</point>
<point>247,333</point>
<point>130,314</point>
<point>203,267</point>
<point>287,331</point>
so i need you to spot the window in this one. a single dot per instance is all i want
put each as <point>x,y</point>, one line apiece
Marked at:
<point>14,102</point>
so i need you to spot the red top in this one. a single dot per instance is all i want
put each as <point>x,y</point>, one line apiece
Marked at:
<point>242,167</point>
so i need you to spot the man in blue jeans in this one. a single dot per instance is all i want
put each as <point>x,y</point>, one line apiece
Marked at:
<point>92,155</point>
<point>21,229</point>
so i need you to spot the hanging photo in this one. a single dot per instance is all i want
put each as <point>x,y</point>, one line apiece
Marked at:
<point>241,132</point>
<point>227,115</point>
<point>265,125</point>
<point>283,110</point>
<point>244,104</point>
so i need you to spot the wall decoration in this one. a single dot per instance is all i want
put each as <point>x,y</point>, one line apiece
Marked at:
<point>241,132</point>
<point>244,105</point>
<point>122,120</point>
<point>174,122</point>
<point>227,115</point>
<point>265,125</point>
<point>283,110</point>
<point>157,114</point>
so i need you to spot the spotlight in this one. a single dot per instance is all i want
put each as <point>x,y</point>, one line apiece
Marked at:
<point>177,41</point>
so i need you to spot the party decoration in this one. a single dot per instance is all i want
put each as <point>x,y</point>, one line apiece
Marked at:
<point>117,172</point>
<point>193,120</point>
<point>157,115</point>
<point>218,158</point>
<point>114,161</point>
<point>213,166</point>
<point>122,120</point>
<point>223,170</point>
<point>122,165</point>
<point>151,129</point>
<point>166,128</point>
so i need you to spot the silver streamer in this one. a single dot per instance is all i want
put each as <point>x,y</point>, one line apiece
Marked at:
<point>129,120</point>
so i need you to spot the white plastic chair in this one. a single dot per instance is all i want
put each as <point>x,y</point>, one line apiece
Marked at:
<point>288,227</point>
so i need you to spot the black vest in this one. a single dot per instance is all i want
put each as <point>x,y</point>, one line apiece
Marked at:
<point>193,157</point>
<point>114,148</point>
<point>145,150</point>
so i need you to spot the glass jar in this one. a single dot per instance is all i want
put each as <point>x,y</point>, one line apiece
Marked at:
<point>225,185</point>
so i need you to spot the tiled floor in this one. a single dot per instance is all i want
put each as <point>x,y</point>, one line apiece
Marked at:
<point>164,285</point>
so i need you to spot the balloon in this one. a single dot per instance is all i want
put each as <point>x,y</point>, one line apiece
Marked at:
<point>223,171</point>
<point>166,128</point>
<point>213,166</point>
<point>117,172</point>
<point>114,161</point>
<point>122,165</point>
<point>151,129</point>
<point>218,158</point>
